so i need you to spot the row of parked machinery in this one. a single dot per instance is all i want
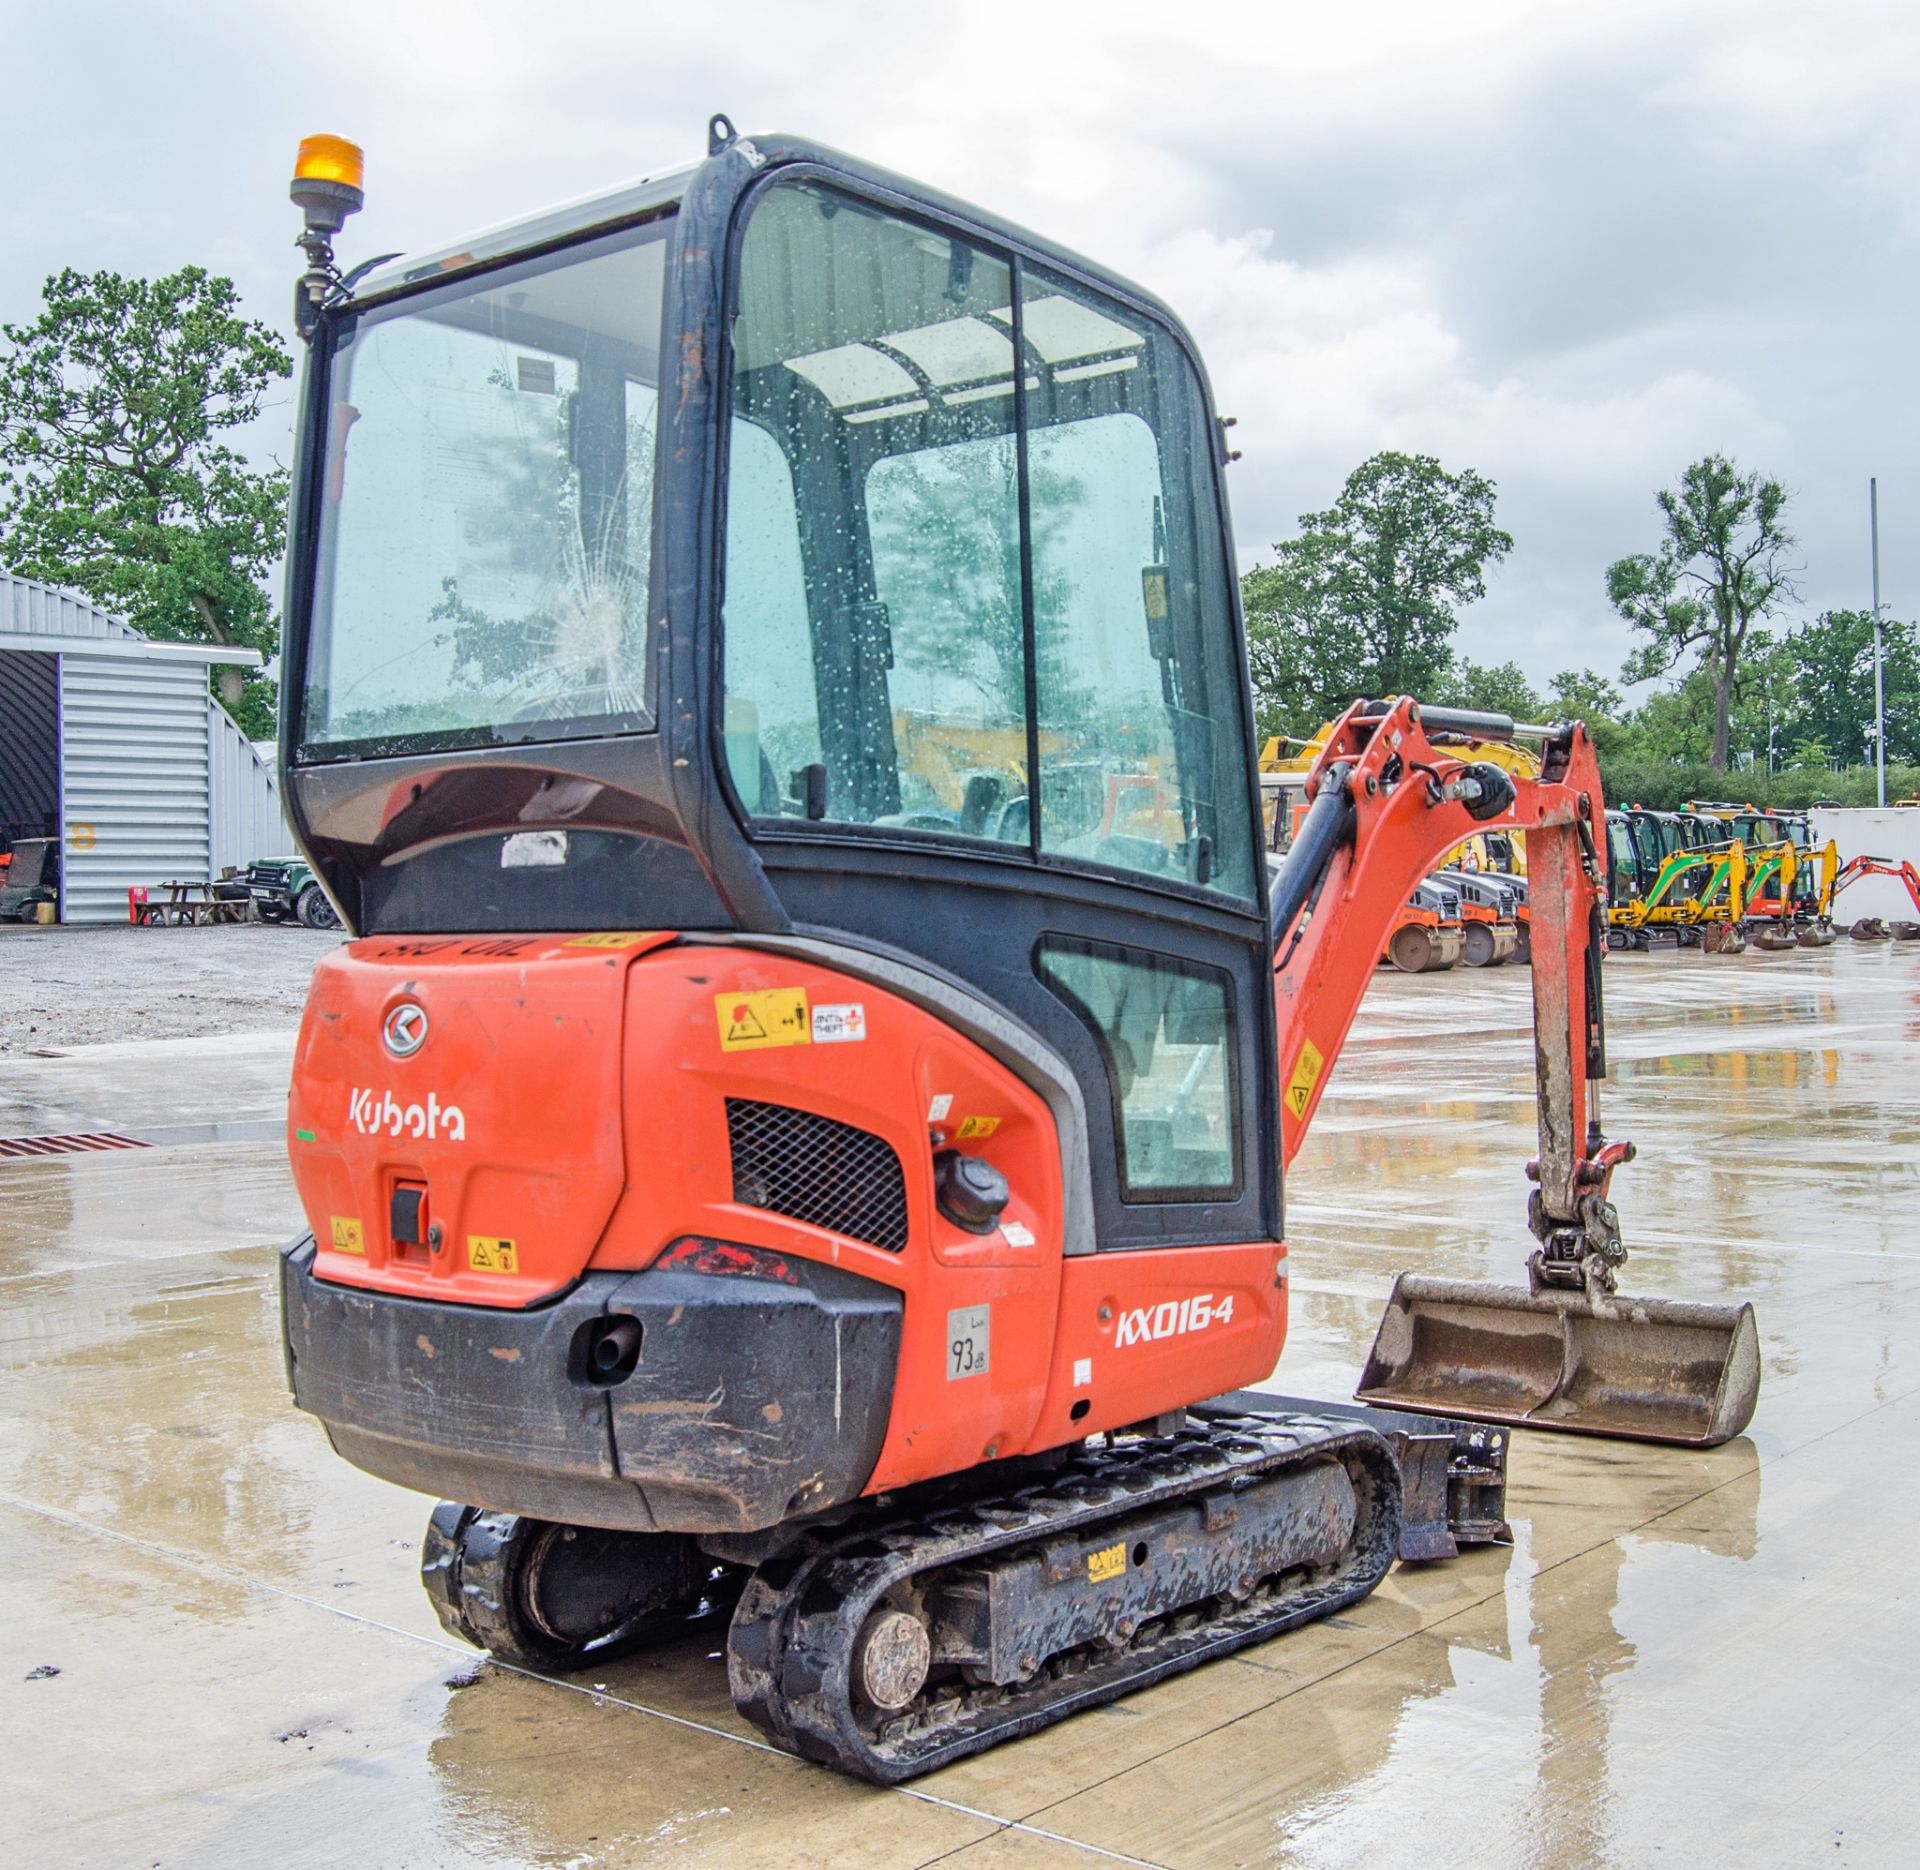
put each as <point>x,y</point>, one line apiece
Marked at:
<point>1717,876</point>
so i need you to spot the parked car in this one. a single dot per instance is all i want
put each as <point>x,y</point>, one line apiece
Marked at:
<point>283,888</point>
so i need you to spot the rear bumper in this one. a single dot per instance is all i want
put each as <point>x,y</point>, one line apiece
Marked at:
<point>752,1400</point>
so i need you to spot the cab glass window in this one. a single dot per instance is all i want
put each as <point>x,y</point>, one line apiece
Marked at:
<point>966,535</point>
<point>486,508</point>
<point>1143,758</point>
<point>1165,1033</point>
<point>873,362</point>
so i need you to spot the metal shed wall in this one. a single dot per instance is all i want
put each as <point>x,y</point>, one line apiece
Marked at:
<point>134,779</point>
<point>244,797</point>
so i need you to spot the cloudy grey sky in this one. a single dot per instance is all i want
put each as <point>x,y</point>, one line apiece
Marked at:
<point>1571,246</point>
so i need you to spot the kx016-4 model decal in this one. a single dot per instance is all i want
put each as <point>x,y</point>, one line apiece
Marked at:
<point>1171,1318</point>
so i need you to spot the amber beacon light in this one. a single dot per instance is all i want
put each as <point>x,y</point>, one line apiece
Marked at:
<point>327,177</point>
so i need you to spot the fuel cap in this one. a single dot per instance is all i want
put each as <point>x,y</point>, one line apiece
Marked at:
<point>969,1190</point>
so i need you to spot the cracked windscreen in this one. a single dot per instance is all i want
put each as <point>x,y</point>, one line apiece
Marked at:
<point>487,509</point>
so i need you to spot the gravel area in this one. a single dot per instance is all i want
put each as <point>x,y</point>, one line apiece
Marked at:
<point>90,986</point>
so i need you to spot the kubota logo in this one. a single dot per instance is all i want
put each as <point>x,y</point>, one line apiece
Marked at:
<point>375,1114</point>
<point>1172,1318</point>
<point>404,1030</point>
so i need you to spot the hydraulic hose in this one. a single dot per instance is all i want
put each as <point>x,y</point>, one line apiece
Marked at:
<point>1327,827</point>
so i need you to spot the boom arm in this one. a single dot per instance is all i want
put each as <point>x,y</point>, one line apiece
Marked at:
<point>1387,802</point>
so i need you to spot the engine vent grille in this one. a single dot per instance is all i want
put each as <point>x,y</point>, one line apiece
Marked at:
<point>812,1169</point>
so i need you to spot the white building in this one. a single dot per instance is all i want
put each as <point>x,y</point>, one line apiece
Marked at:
<point>112,743</point>
<point>1891,833</point>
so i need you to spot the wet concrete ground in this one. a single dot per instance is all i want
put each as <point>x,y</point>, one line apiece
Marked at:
<point>1688,1658</point>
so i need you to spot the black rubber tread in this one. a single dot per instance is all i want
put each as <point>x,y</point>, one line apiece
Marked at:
<point>473,1565</point>
<point>790,1648</point>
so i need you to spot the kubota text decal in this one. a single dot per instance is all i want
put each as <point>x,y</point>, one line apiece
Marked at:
<point>375,1115</point>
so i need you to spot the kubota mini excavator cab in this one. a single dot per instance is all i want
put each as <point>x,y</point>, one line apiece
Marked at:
<point>765,690</point>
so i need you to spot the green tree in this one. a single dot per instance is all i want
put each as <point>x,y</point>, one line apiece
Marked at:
<point>1585,695</point>
<point>1721,569</point>
<point>1365,601</point>
<point>1831,665</point>
<point>115,475</point>
<point>1494,689</point>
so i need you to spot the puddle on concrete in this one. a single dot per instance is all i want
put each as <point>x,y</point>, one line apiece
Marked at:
<point>1697,1656</point>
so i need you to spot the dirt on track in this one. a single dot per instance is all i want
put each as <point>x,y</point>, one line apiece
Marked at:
<point>91,986</point>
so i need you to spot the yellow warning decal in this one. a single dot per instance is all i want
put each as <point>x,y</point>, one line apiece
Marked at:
<point>1109,1562</point>
<point>751,1021</point>
<point>978,1126</point>
<point>1306,1074</point>
<point>488,1254</point>
<point>608,941</point>
<point>1153,592</point>
<point>347,1237</point>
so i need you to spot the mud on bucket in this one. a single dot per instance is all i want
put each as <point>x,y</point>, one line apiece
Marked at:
<point>1646,1369</point>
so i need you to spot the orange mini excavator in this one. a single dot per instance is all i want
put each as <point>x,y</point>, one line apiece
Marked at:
<point>743,1172</point>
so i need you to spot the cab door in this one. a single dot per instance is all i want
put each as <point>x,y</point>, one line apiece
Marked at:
<point>984,690</point>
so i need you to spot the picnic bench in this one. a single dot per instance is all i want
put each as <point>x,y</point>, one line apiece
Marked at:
<point>182,904</point>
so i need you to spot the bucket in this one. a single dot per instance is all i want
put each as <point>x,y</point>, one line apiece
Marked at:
<point>1661,1370</point>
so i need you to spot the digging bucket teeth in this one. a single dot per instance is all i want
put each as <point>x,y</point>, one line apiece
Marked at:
<point>1660,1370</point>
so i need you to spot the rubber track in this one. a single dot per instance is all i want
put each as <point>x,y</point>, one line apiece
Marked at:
<point>467,1563</point>
<point>788,1655</point>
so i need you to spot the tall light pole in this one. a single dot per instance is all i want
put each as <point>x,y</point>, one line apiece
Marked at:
<point>1879,649</point>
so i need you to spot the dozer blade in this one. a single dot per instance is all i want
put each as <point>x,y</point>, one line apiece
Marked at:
<point>1644,1369</point>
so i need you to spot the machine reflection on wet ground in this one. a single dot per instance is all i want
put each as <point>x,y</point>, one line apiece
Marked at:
<point>1699,1655</point>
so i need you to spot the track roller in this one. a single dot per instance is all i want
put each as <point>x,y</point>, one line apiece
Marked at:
<point>552,1598</point>
<point>888,1646</point>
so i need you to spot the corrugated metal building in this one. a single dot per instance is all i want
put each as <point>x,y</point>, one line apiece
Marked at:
<point>111,742</point>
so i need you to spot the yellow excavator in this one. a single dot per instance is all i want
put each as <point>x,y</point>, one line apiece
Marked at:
<point>1697,892</point>
<point>1790,879</point>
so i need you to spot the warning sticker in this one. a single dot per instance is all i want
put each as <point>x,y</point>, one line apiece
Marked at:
<point>1109,1562</point>
<point>978,1126</point>
<point>610,940</point>
<point>486,1253</point>
<point>837,1025</point>
<point>937,1110</point>
<point>1306,1074</point>
<point>750,1021</point>
<point>347,1237</point>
